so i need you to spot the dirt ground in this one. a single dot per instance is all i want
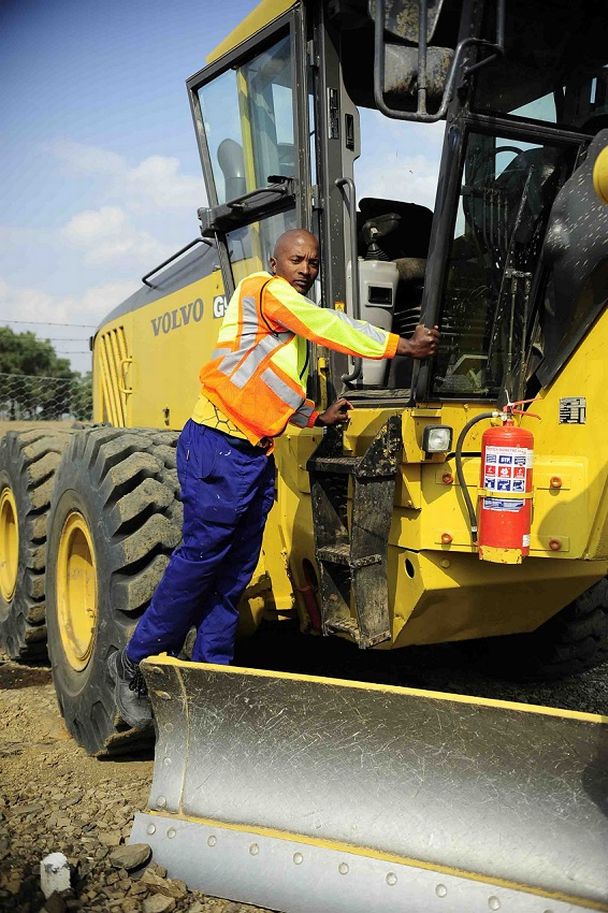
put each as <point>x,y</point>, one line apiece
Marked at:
<point>27,426</point>
<point>54,798</point>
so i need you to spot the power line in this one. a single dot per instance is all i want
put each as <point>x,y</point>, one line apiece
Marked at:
<point>49,323</point>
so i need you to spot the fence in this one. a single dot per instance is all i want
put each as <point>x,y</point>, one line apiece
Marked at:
<point>31,398</point>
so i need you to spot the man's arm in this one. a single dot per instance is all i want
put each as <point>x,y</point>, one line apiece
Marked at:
<point>336,414</point>
<point>422,344</point>
<point>335,330</point>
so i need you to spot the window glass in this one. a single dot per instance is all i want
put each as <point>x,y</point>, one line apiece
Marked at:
<point>506,193</point>
<point>248,119</point>
<point>251,246</point>
<point>555,64</point>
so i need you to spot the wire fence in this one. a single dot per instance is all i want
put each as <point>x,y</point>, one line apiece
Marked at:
<point>26,397</point>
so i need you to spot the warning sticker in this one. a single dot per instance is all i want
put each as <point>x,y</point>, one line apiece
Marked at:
<point>507,457</point>
<point>573,410</point>
<point>505,471</point>
<point>502,504</point>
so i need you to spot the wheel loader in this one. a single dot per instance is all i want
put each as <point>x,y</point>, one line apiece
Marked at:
<point>412,526</point>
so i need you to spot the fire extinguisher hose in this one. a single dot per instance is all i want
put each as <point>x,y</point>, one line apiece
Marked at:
<point>459,471</point>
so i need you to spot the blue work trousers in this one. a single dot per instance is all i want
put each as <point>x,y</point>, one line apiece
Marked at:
<point>227,490</point>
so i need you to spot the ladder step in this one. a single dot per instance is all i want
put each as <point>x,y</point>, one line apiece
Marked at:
<point>340,554</point>
<point>343,465</point>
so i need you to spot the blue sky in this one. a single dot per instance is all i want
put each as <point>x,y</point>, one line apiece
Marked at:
<point>100,172</point>
<point>99,168</point>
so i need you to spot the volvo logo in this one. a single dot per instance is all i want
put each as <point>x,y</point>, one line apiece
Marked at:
<point>178,317</point>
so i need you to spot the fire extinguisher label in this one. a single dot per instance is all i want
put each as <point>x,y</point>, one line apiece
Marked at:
<point>505,470</point>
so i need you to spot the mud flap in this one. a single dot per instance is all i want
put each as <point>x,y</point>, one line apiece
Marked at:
<point>307,794</point>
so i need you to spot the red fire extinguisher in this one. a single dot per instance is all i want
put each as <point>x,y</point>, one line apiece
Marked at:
<point>505,496</point>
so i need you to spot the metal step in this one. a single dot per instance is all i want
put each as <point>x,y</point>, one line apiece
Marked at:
<point>341,464</point>
<point>351,544</point>
<point>341,554</point>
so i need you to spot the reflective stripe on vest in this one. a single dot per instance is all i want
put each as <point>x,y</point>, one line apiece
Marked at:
<point>243,359</point>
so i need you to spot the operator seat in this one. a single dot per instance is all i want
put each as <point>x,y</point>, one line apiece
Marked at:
<point>399,233</point>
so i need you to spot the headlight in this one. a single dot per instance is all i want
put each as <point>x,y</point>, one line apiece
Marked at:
<point>437,438</point>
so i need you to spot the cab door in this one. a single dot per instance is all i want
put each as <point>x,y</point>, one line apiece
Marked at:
<point>250,113</point>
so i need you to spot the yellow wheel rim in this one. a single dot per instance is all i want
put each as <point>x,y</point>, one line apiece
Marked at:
<point>76,591</point>
<point>9,544</point>
<point>600,175</point>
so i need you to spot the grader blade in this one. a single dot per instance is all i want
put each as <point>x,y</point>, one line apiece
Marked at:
<point>307,794</point>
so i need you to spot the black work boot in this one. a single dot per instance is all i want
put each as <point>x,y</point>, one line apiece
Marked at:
<point>130,691</point>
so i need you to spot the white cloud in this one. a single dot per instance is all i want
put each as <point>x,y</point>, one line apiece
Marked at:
<point>155,183</point>
<point>44,310</point>
<point>412,180</point>
<point>83,159</point>
<point>107,235</point>
<point>402,162</point>
<point>157,180</point>
<point>69,321</point>
<point>29,304</point>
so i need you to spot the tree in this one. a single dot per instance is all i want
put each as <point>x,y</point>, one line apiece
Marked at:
<point>37,394</point>
<point>24,353</point>
<point>81,406</point>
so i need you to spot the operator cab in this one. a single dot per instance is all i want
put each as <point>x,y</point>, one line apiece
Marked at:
<point>414,141</point>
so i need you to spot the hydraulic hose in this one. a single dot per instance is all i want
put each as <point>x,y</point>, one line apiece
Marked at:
<point>459,471</point>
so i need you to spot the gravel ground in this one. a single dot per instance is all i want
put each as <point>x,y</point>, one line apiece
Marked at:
<point>54,798</point>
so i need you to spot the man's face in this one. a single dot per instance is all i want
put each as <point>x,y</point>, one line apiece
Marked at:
<point>297,260</point>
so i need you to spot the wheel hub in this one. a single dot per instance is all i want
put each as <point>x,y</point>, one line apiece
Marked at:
<point>9,544</point>
<point>77,591</point>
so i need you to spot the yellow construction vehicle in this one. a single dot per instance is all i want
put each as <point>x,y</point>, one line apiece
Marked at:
<point>310,794</point>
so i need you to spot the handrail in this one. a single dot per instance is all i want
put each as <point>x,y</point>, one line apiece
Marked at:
<point>421,113</point>
<point>351,197</point>
<point>173,257</point>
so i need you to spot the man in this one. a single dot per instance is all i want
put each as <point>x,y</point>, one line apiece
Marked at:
<point>254,384</point>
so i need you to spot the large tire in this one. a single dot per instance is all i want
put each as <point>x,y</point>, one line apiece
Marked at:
<point>28,461</point>
<point>115,518</point>
<point>572,641</point>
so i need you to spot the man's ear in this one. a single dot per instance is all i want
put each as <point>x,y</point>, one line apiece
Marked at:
<point>273,265</point>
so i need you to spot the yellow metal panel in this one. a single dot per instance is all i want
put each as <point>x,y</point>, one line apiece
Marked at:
<point>263,14</point>
<point>171,340</point>
<point>444,597</point>
<point>112,342</point>
<point>110,385</point>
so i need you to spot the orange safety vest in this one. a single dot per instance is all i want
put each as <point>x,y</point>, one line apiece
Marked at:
<point>257,373</point>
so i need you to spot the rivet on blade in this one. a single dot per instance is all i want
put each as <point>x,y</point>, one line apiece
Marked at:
<point>254,849</point>
<point>211,841</point>
<point>161,802</point>
<point>151,829</point>
<point>494,903</point>
<point>171,833</point>
<point>167,762</point>
<point>391,879</point>
<point>441,890</point>
<point>343,868</point>
<point>298,858</point>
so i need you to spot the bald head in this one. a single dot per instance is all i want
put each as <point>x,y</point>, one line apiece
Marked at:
<point>296,258</point>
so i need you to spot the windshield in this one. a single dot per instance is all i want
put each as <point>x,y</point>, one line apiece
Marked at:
<point>506,193</point>
<point>249,124</point>
<point>555,65</point>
